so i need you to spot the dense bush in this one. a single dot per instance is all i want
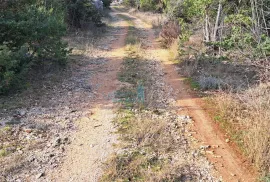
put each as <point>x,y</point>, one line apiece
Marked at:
<point>12,64</point>
<point>82,10</point>
<point>146,5</point>
<point>29,33</point>
<point>229,25</point>
<point>107,3</point>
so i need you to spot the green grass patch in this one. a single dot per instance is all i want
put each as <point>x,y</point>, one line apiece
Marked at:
<point>193,84</point>
<point>131,38</point>
<point>131,72</point>
<point>266,178</point>
<point>3,153</point>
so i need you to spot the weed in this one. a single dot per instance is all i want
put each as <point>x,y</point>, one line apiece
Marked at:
<point>266,178</point>
<point>169,33</point>
<point>209,82</point>
<point>154,19</point>
<point>245,116</point>
<point>7,128</point>
<point>131,40</point>
<point>193,84</point>
<point>130,72</point>
<point>3,153</point>
<point>125,93</point>
<point>173,53</point>
<point>144,139</point>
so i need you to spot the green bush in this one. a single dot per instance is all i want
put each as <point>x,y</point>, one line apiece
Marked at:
<point>107,3</point>
<point>12,64</point>
<point>147,5</point>
<point>130,3</point>
<point>29,34</point>
<point>82,10</point>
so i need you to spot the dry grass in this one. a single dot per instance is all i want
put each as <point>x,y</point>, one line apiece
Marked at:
<point>174,52</point>
<point>147,142</point>
<point>154,19</point>
<point>243,106</point>
<point>148,146</point>
<point>169,33</point>
<point>153,146</point>
<point>246,116</point>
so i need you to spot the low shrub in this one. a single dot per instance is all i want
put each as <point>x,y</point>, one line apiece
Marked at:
<point>209,82</point>
<point>147,5</point>
<point>169,33</point>
<point>82,10</point>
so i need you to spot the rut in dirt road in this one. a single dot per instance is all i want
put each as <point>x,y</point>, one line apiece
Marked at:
<point>93,142</point>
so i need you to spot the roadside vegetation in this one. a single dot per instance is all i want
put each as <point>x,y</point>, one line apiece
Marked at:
<point>223,48</point>
<point>31,35</point>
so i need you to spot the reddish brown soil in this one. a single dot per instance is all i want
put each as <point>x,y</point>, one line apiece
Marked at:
<point>227,160</point>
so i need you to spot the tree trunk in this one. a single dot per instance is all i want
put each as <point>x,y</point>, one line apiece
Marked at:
<point>207,29</point>
<point>215,36</point>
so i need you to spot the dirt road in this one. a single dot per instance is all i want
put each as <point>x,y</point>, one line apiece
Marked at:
<point>93,141</point>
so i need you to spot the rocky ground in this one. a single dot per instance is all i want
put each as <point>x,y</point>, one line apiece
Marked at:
<point>37,124</point>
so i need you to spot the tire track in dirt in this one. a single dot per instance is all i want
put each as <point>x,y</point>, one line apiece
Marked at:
<point>230,165</point>
<point>93,142</point>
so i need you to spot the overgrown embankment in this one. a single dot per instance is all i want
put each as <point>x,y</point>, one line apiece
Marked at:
<point>239,100</point>
<point>245,116</point>
<point>224,52</point>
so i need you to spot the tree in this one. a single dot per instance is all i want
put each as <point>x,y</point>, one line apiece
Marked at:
<point>81,10</point>
<point>30,33</point>
<point>107,3</point>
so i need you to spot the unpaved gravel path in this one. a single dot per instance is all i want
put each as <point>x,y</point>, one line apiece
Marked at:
<point>93,142</point>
